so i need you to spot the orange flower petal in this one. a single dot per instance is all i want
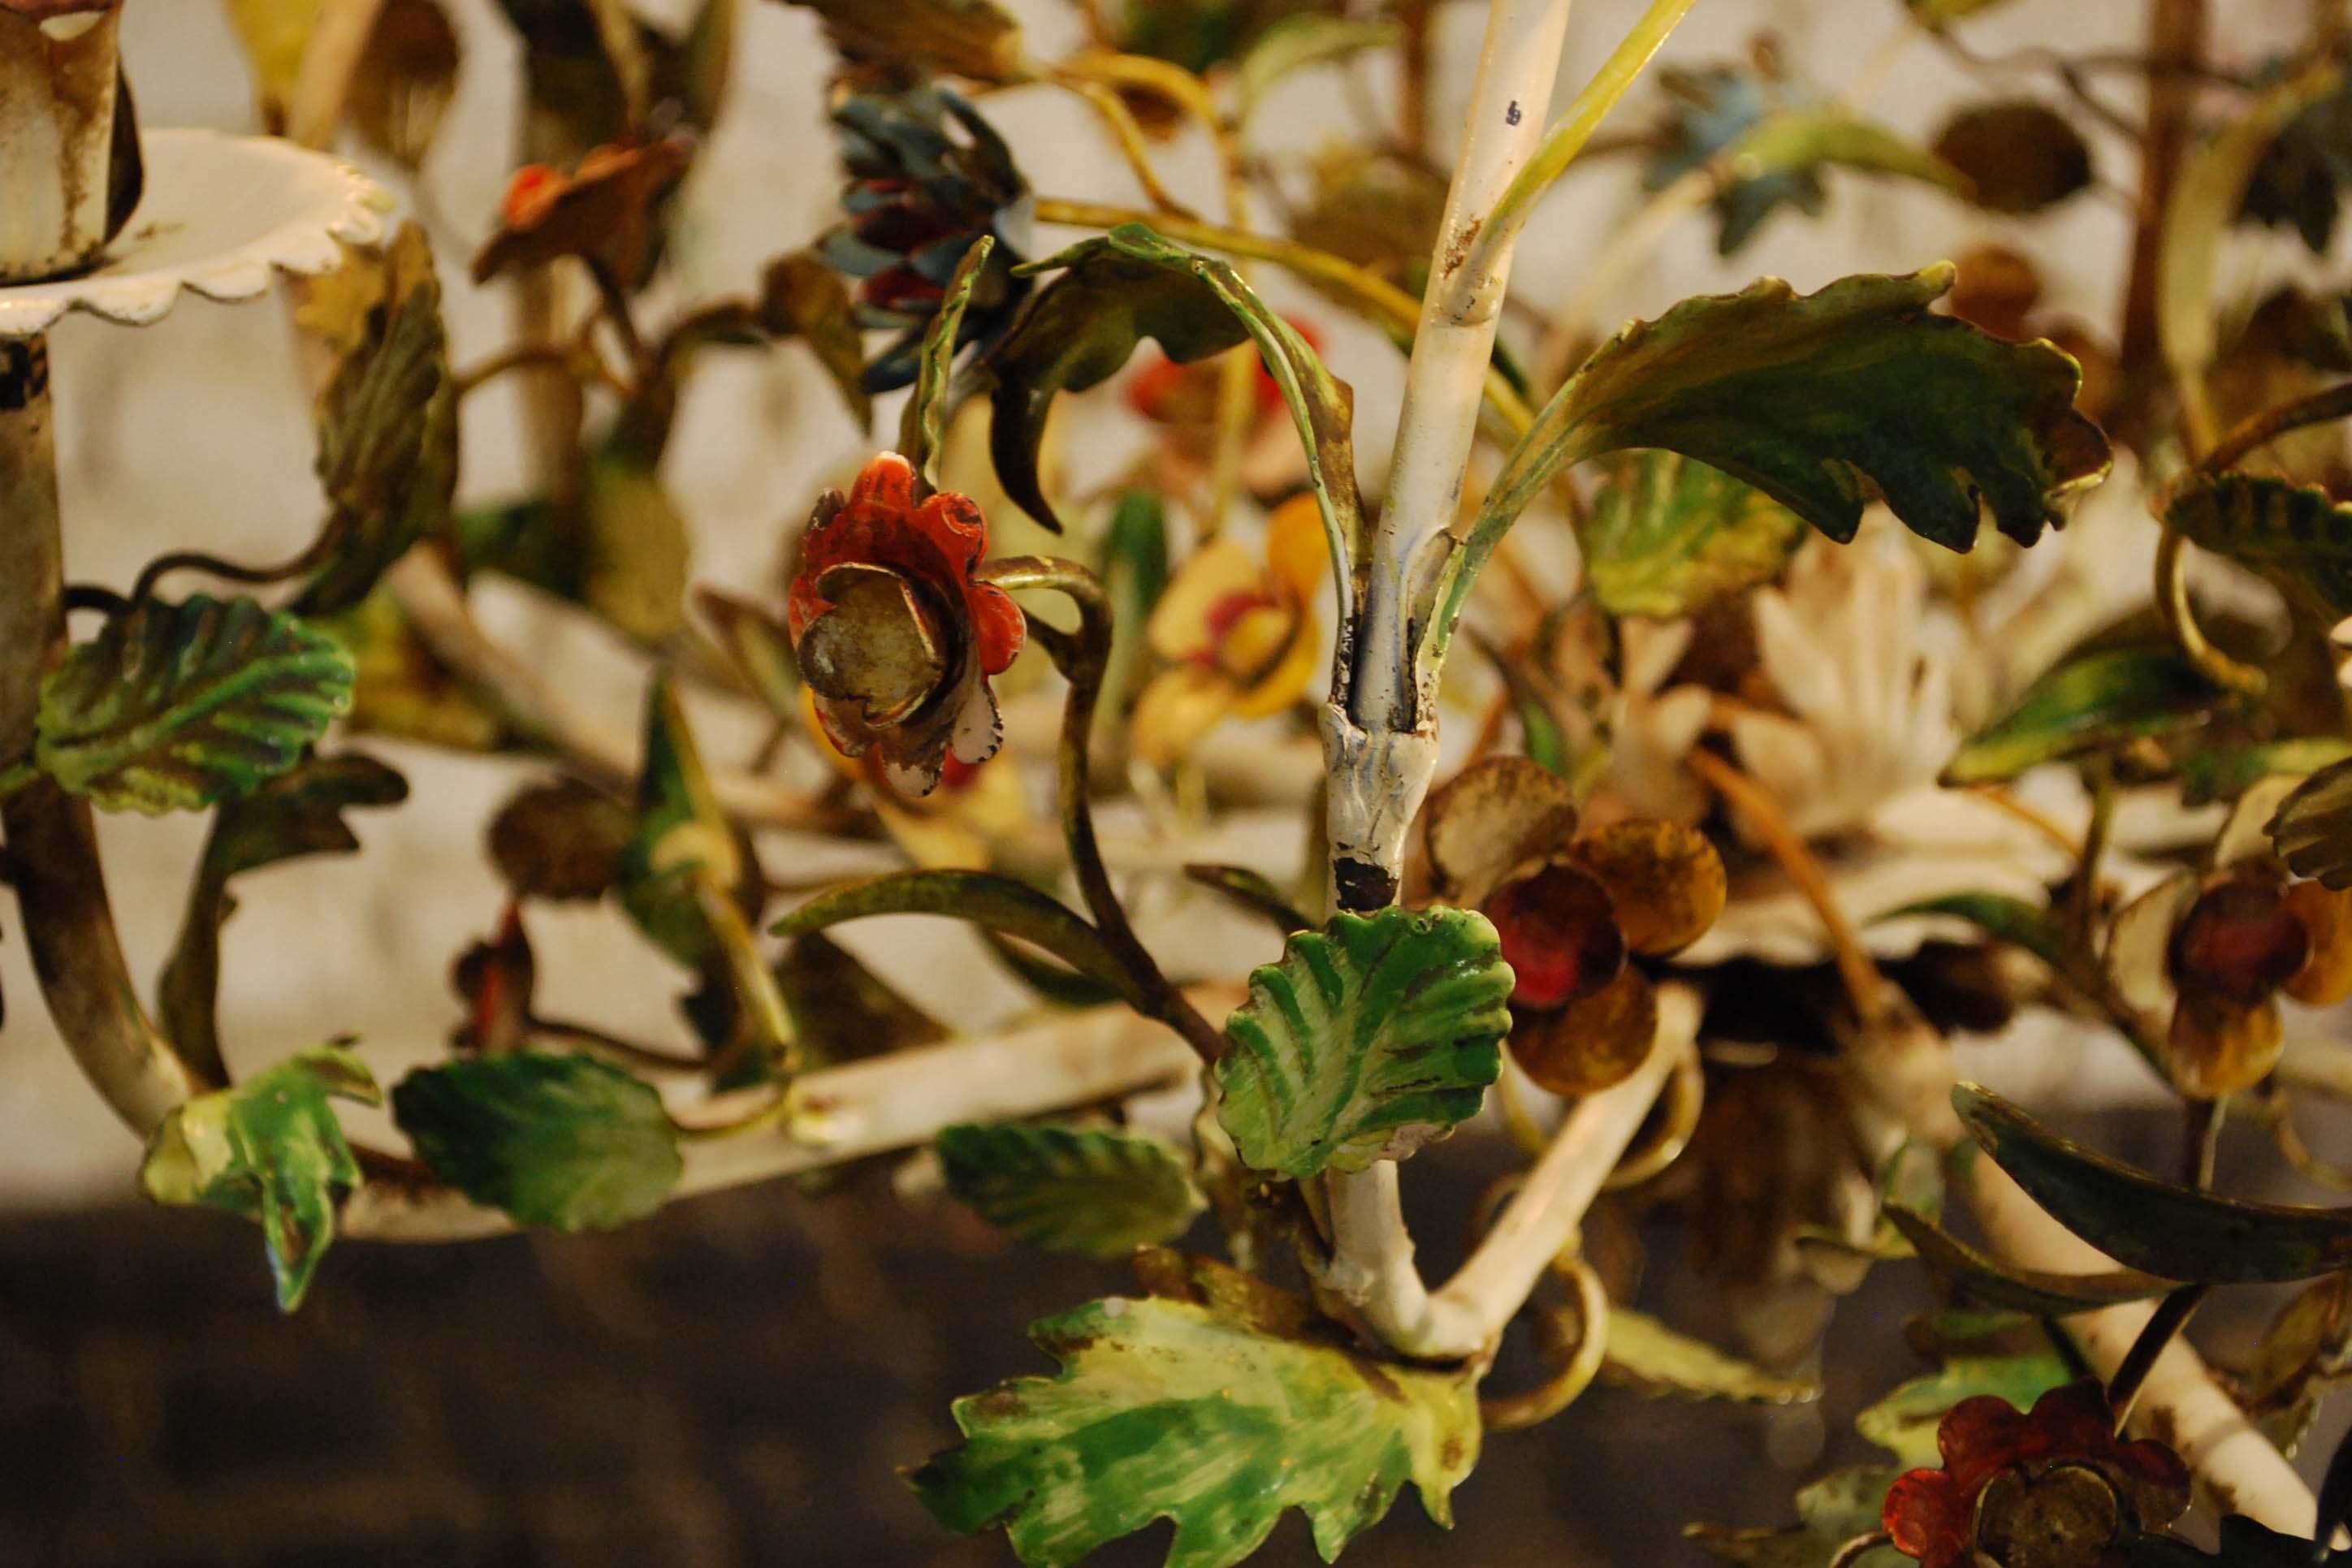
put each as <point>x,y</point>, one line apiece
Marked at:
<point>2325,978</point>
<point>1494,815</point>
<point>1666,879</point>
<point>1594,1041</point>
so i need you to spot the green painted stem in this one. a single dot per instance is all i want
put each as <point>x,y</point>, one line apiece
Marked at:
<point>1082,660</point>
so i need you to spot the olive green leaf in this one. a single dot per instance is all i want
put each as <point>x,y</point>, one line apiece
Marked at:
<point>1254,892</point>
<point>407,79</point>
<point>297,813</point>
<point>177,706</point>
<point>387,435</point>
<point>2088,703</point>
<point>1834,1510</point>
<point>2017,921</point>
<point>269,1149</point>
<point>1822,402</point>
<point>1802,141</point>
<point>799,297</point>
<point>681,835</point>
<point>1296,42</point>
<point>973,39</point>
<point>1997,1283</point>
<point>1369,1039</point>
<point>2147,1224</point>
<point>1071,1190</point>
<point>2210,773</point>
<point>1134,567</point>
<point>1904,1422</point>
<point>1646,1355</point>
<point>1667,536</point>
<point>2019,155</point>
<point>567,1142</point>
<point>638,550</point>
<point>2291,534</point>
<point>922,426</point>
<point>560,839</point>
<point>403,688</point>
<point>2313,827</point>
<point>843,1011</point>
<point>2303,1356</point>
<point>2207,194</point>
<point>1128,285</point>
<point>1219,1412</point>
<point>997,903</point>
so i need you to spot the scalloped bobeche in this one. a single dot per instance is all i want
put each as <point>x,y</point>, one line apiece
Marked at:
<point>222,216</point>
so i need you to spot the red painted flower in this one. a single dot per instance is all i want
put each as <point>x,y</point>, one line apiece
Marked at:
<point>601,212</point>
<point>895,637</point>
<point>2052,1488</point>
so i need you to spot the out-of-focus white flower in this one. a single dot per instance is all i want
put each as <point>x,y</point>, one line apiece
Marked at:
<point>1656,728</point>
<point>1841,643</point>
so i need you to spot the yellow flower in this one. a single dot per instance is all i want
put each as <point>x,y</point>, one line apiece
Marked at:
<point>1240,634</point>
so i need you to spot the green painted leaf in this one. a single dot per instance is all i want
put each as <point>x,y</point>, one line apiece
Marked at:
<point>1130,284</point>
<point>2088,703</point>
<point>2147,1224</point>
<point>2210,773</point>
<point>1834,1510</point>
<point>1822,402</point>
<point>560,839</point>
<point>1645,1354</point>
<point>1812,139</point>
<point>997,902</point>
<point>297,813</point>
<point>1071,1190</point>
<point>2313,827</point>
<point>2291,535</point>
<point>681,835</point>
<point>1219,1412</point>
<point>1370,1038</point>
<point>567,1142</point>
<point>269,1149</point>
<point>2019,154</point>
<point>387,435</point>
<point>843,1011</point>
<point>1666,537</point>
<point>922,426</point>
<point>1904,1422</point>
<point>2017,921</point>
<point>1997,1283</point>
<point>178,706</point>
<point>802,298</point>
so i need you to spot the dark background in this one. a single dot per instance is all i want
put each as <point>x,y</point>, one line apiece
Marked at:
<point>734,1383</point>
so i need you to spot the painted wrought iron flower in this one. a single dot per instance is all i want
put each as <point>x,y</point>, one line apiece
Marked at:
<point>2208,957</point>
<point>894,634</point>
<point>1573,909</point>
<point>1181,401</point>
<point>919,194</point>
<point>601,212</point>
<point>2052,1488</point>
<point>1239,632</point>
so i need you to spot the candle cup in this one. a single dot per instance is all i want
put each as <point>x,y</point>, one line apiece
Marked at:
<point>67,169</point>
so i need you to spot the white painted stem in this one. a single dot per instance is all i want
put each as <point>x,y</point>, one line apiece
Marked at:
<point>2239,1468</point>
<point>894,1102</point>
<point>597,746</point>
<point>1372,1266</point>
<point>1380,742</point>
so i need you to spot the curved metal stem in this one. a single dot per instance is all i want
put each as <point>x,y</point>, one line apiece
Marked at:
<point>52,847</point>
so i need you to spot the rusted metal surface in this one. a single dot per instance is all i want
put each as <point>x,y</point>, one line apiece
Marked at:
<point>60,77</point>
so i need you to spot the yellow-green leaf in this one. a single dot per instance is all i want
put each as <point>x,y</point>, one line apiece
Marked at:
<point>1645,1354</point>
<point>269,1149</point>
<point>2090,703</point>
<point>1218,1412</point>
<point>1667,536</point>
